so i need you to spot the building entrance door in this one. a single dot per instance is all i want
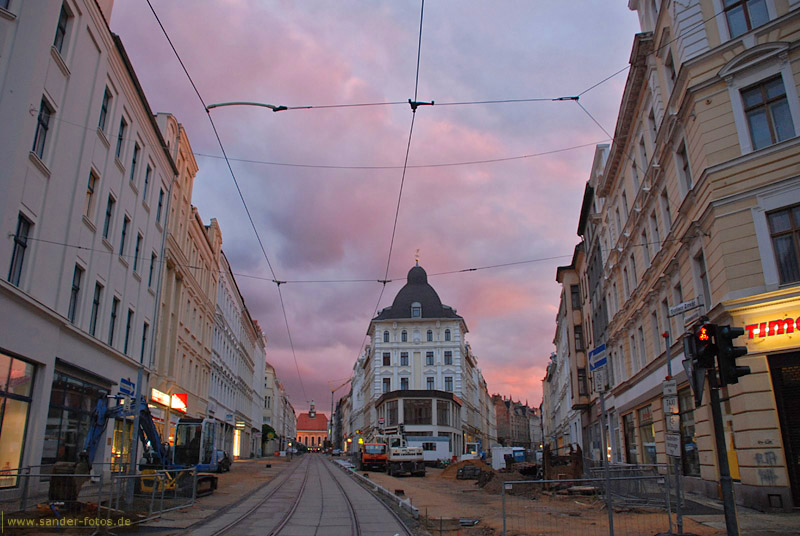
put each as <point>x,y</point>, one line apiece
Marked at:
<point>785,370</point>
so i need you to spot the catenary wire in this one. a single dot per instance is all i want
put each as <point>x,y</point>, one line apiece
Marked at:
<point>239,190</point>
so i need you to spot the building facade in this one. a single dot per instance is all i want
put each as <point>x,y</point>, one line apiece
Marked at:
<point>418,371</point>
<point>518,425</point>
<point>697,200</point>
<point>181,372</point>
<point>312,429</point>
<point>86,175</point>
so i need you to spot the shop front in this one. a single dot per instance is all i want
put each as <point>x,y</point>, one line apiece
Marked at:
<point>16,387</point>
<point>166,409</point>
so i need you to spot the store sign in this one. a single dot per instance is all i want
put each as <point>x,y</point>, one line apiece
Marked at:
<point>177,401</point>
<point>772,328</point>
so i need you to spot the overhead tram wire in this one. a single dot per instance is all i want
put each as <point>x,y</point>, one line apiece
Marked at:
<point>239,190</point>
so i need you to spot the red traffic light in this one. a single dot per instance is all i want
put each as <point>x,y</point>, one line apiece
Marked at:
<point>702,335</point>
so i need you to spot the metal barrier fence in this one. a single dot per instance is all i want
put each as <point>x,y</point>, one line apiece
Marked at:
<point>93,500</point>
<point>581,506</point>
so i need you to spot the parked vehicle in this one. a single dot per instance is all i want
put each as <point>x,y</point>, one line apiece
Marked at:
<point>372,456</point>
<point>402,459</point>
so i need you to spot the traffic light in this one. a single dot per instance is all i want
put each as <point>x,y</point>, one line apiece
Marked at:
<point>401,427</point>
<point>727,354</point>
<point>705,348</point>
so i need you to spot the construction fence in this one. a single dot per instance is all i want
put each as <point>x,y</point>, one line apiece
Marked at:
<point>46,497</point>
<point>631,500</point>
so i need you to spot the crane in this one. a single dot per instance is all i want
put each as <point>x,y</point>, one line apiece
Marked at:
<point>330,420</point>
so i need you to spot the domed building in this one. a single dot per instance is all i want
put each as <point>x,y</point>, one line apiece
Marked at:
<point>418,376</point>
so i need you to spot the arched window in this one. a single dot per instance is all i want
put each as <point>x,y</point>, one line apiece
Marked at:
<point>404,336</point>
<point>416,310</point>
<point>430,335</point>
<point>447,334</point>
<point>385,336</point>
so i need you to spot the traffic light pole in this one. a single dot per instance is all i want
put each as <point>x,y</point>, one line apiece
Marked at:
<point>725,480</point>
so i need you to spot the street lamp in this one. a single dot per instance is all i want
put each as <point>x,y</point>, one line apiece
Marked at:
<point>242,103</point>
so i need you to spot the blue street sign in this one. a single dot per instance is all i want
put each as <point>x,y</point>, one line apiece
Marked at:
<point>126,387</point>
<point>597,358</point>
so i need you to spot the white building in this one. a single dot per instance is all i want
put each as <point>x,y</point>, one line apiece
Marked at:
<point>419,372</point>
<point>238,345</point>
<point>85,177</point>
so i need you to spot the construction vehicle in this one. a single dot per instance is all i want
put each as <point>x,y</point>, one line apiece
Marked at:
<point>372,457</point>
<point>402,459</point>
<point>194,448</point>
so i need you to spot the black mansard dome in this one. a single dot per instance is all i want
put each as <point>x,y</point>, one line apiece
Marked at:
<point>417,290</point>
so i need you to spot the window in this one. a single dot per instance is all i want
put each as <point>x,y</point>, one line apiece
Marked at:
<point>385,336</point>
<point>784,228</point>
<point>404,384</point>
<point>646,249</point>
<point>647,434</point>
<point>744,15</point>
<point>403,359</point>
<point>387,385</point>
<point>42,126</point>
<point>656,333</point>
<point>20,246</point>
<point>702,277</point>
<point>136,252</point>
<point>665,209</point>
<point>387,359</point>
<point>418,411</point>
<point>625,209</point>
<point>109,214</point>
<point>126,221</point>
<point>123,125</point>
<point>391,410</point>
<point>655,233</point>
<point>448,384</point>
<point>682,163</point>
<point>153,258</point>
<point>429,335</point>
<point>98,292</point>
<point>448,357</point>
<point>651,120</point>
<point>669,66</point>
<point>113,322</point>
<point>430,385</point>
<point>128,325</point>
<point>88,205</point>
<point>634,176</point>
<point>429,446</point>
<point>104,110</point>
<point>691,458</point>
<point>75,292</point>
<point>633,272</point>
<point>629,431</point>
<point>429,358</point>
<point>404,336</point>
<point>447,335</point>
<point>625,284</point>
<point>582,386</point>
<point>579,338</point>
<point>16,385</point>
<point>642,351</point>
<point>160,205</point>
<point>575,292</point>
<point>136,151</point>
<point>416,310</point>
<point>61,29</point>
<point>634,355</point>
<point>768,117</point>
<point>619,221</point>
<point>148,170</point>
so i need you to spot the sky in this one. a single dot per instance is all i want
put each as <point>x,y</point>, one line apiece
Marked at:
<point>329,215</point>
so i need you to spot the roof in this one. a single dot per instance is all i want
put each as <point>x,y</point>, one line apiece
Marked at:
<point>417,290</point>
<point>319,422</point>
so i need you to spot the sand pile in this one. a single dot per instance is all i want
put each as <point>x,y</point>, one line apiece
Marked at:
<point>451,471</point>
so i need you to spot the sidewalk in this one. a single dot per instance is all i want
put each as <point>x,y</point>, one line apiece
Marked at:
<point>244,479</point>
<point>751,522</point>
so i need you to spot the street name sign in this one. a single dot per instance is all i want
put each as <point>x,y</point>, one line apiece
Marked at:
<point>694,303</point>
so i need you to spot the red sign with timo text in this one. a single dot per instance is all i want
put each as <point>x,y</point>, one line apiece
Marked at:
<point>773,327</point>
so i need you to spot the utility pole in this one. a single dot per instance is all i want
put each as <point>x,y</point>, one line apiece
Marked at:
<point>676,460</point>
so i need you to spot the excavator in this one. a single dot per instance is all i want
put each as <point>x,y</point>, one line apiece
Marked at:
<point>194,448</point>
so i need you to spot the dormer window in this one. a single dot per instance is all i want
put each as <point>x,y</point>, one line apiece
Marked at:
<point>404,336</point>
<point>385,336</point>
<point>416,310</point>
<point>447,335</point>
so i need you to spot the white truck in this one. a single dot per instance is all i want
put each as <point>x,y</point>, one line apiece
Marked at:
<point>403,459</point>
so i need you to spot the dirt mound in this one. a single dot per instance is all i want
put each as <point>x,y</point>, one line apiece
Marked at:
<point>451,471</point>
<point>493,483</point>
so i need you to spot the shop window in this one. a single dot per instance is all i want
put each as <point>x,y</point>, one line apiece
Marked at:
<point>691,457</point>
<point>16,385</point>
<point>417,411</point>
<point>443,413</point>
<point>72,401</point>
<point>647,434</point>
<point>629,429</point>
<point>391,413</point>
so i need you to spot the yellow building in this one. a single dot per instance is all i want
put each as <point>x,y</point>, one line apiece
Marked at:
<point>699,198</point>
